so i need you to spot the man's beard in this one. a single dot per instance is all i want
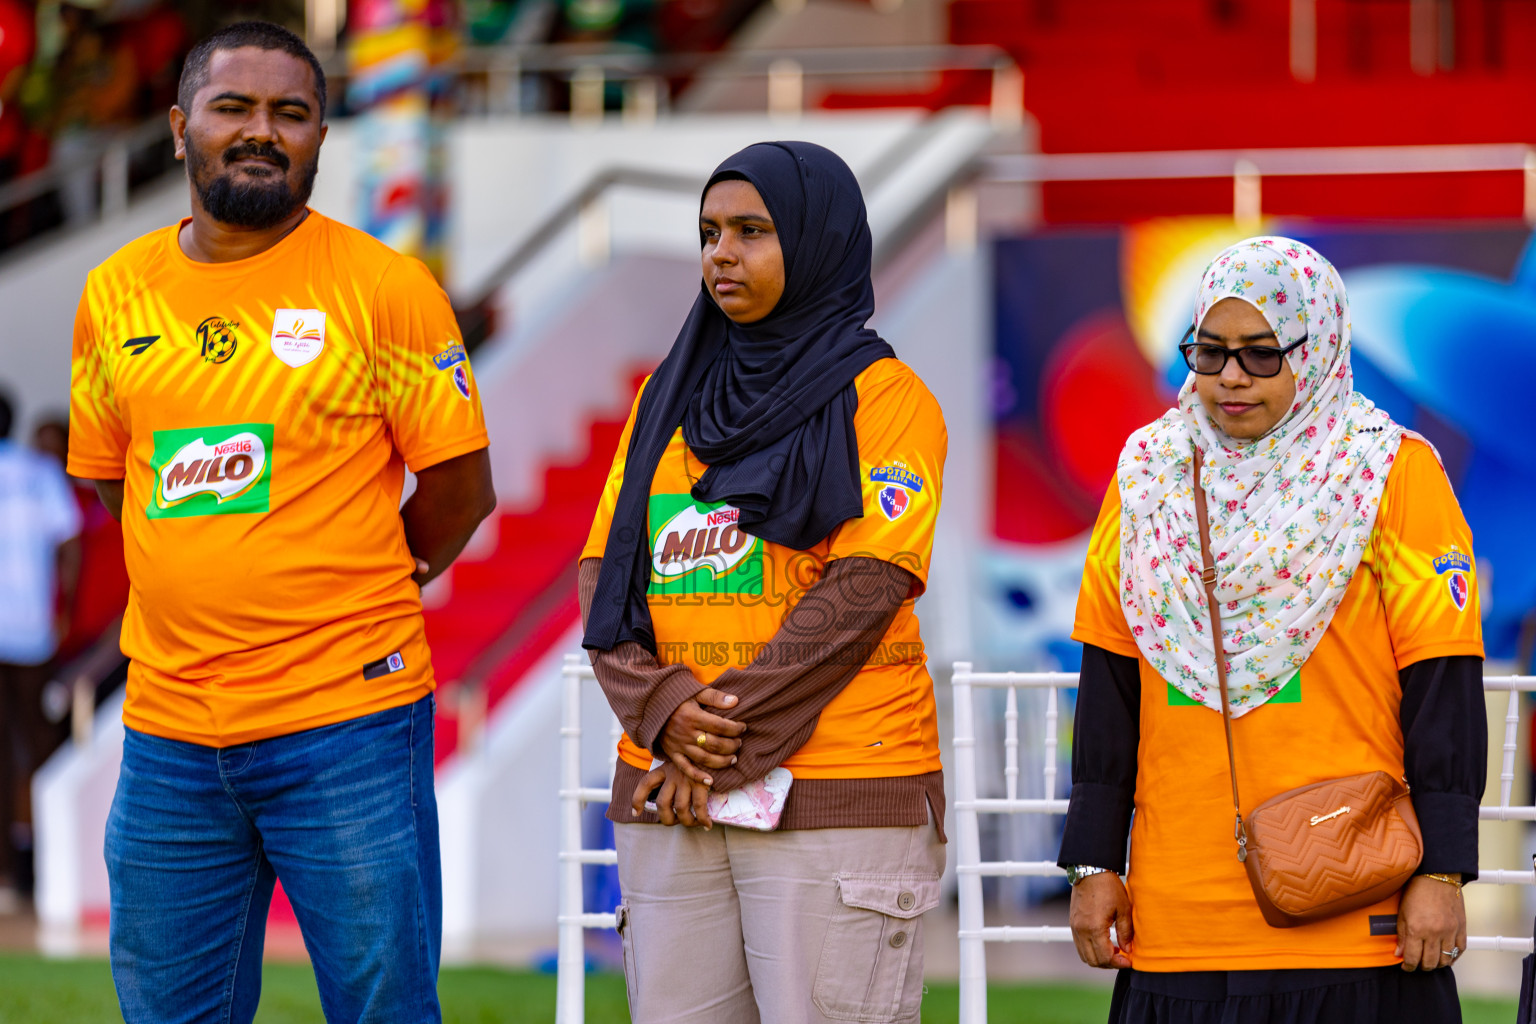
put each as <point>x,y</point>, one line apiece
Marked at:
<point>252,202</point>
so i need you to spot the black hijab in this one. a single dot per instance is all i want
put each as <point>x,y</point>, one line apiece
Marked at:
<point>769,406</point>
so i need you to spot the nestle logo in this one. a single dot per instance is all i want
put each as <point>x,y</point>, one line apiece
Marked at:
<point>725,515</point>
<point>231,447</point>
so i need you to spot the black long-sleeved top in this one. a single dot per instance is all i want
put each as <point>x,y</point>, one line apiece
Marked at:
<point>1445,759</point>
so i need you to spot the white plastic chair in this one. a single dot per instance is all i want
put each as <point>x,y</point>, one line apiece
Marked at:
<point>573,921</point>
<point>974,932</point>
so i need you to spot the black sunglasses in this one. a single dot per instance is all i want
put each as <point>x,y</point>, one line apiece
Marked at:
<point>1256,360</point>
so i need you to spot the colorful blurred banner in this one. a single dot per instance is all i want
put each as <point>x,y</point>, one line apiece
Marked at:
<point>395,55</point>
<point>1088,323</point>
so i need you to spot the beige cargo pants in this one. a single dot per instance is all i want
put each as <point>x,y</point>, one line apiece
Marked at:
<point>732,926</point>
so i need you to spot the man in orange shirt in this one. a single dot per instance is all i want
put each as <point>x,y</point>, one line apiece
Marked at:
<point>249,387</point>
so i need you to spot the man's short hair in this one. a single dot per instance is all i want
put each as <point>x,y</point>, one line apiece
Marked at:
<point>6,415</point>
<point>261,34</point>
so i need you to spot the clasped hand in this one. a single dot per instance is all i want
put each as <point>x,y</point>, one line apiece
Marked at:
<point>1431,922</point>
<point>694,742</point>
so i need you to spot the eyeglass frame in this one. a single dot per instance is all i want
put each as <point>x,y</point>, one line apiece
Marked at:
<point>1228,354</point>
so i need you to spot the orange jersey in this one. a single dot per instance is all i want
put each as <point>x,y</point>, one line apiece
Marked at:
<point>261,414</point>
<point>717,593</point>
<point>1414,597</point>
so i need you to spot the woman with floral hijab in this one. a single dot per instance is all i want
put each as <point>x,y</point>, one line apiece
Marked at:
<point>1349,625</point>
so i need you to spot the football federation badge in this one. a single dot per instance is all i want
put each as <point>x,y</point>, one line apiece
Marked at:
<point>1453,560</point>
<point>1459,590</point>
<point>897,473</point>
<point>451,356</point>
<point>298,335</point>
<point>461,381</point>
<point>894,501</point>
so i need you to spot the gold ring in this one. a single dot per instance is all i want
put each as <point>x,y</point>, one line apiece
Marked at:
<point>701,738</point>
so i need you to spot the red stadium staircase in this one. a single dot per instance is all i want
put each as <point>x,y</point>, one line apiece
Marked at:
<point>508,606</point>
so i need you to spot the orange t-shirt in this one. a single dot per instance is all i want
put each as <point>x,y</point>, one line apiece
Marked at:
<point>261,414</point>
<point>1414,597</point>
<point>717,593</point>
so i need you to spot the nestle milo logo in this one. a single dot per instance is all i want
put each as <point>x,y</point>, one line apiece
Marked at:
<point>205,471</point>
<point>698,548</point>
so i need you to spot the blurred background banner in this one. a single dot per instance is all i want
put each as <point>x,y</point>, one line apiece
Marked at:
<point>401,93</point>
<point>1088,321</point>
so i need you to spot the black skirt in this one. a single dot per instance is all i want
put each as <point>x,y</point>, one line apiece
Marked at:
<point>1361,995</point>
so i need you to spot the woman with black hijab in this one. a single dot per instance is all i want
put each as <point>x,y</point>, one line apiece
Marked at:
<point>747,592</point>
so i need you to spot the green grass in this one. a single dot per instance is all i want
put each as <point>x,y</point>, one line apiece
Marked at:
<point>36,991</point>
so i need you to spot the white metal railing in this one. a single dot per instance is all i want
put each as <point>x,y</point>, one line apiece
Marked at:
<point>494,80</point>
<point>1299,161</point>
<point>109,160</point>
<point>974,932</point>
<point>1248,167</point>
<point>588,211</point>
<point>573,920</point>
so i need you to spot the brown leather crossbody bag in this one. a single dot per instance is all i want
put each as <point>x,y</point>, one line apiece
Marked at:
<point>1319,850</point>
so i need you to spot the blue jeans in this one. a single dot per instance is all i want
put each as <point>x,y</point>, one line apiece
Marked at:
<point>345,815</point>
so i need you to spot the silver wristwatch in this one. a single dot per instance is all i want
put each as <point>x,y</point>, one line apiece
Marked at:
<point>1077,872</point>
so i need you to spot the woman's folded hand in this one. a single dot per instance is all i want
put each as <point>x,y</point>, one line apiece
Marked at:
<point>695,740</point>
<point>680,801</point>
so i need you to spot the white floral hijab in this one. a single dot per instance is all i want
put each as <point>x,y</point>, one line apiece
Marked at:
<point>1291,512</point>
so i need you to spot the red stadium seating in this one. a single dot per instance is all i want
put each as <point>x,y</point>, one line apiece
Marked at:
<point>508,608</point>
<point>1121,76</point>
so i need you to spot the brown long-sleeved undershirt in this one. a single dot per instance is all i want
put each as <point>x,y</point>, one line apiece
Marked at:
<point>818,649</point>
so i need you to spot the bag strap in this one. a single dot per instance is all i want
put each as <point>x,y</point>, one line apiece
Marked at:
<point>1208,579</point>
